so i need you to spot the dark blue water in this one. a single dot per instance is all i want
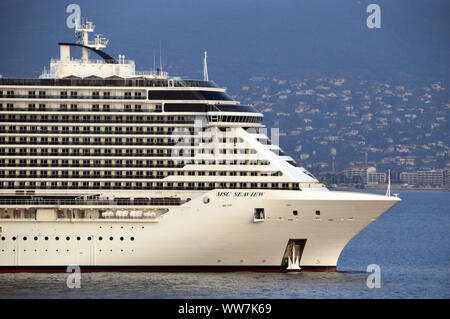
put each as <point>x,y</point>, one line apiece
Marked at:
<point>410,244</point>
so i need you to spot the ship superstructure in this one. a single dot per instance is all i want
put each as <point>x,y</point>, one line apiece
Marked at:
<point>106,167</point>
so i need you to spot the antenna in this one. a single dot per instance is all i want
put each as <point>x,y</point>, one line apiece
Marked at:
<point>154,60</point>
<point>205,67</point>
<point>160,56</point>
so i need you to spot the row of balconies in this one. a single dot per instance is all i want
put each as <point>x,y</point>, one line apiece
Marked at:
<point>90,130</point>
<point>77,153</point>
<point>72,97</point>
<point>125,163</point>
<point>189,140</point>
<point>87,151</point>
<point>129,174</point>
<point>90,143</point>
<point>171,165</point>
<point>100,121</point>
<point>151,186</point>
<point>76,108</point>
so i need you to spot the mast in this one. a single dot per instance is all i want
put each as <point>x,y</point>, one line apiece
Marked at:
<point>160,56</point>
<point>205,67</point>
<point>388,190</point>
<point>83,32</point>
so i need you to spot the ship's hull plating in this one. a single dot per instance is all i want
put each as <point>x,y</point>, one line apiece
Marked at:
<point>221,235</point>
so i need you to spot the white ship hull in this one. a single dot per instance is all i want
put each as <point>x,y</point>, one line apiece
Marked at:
<point>219,235</point>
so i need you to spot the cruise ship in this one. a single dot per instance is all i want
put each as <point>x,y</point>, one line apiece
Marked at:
<point>114,169</point>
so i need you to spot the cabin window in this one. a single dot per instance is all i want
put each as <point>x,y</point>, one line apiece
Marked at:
<point>317,212</point>
<point>295,213</point>
<point>259,213</point>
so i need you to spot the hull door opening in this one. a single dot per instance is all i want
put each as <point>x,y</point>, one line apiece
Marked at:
<point>293,254</point>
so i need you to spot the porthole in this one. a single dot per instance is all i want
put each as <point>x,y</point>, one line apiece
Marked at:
<point>132,238</point>
<point>100,238</point>
<point>35,238</point>
<point>206,200</point>
<point>121,238</point>
<point>57,238</point>
<point>67,238</point>
<point>295,213</point>
<point>78,238</point>
<point>89,238</point>
<point>3,238</point>
<point>317,212</point>
<point>25,238</point>
<point>46,238</point>
<point>110,238</point>
<point>14,238</point>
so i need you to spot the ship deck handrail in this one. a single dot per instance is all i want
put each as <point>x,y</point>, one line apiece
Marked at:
<point>80,110</point>
<point>72,97</point>
<point>93,202</point>
<point>139,81</point>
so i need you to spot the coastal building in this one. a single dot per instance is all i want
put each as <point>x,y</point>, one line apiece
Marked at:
<point>432,177</point>
<point>361,171</point>
<point>376,178</point>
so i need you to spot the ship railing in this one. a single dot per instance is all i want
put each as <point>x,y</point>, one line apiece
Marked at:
<point>81,61</point>
<point>80,109</point>
<point>160,74</point>
<point>123,82</point>
<point>92,202</point>
<point>73,97</point>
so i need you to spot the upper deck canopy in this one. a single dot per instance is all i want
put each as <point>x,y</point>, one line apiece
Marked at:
<point>115,81</point>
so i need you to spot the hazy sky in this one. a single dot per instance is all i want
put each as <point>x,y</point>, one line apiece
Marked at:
<point>243,37</point>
